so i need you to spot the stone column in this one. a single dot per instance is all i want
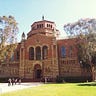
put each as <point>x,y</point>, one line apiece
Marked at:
<point>22,61</point>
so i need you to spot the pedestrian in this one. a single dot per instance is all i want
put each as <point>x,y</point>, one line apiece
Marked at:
<point>45,80</point>
<point>15,81</point>
<point>9,81</point>
<point>19,81</point>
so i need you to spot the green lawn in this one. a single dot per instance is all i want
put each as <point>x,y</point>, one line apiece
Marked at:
<point>67,89</point>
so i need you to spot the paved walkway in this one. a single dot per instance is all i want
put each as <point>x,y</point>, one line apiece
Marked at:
<point>5,88</point>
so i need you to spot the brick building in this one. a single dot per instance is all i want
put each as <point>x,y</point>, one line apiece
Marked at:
<point>43,55</point>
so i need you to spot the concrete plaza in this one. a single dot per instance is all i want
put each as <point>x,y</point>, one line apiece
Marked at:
<point>5,88</point>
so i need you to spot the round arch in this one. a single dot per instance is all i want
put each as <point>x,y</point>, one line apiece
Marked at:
<point>38,53</point>
<point>44,52</point>
<point>37,71</point>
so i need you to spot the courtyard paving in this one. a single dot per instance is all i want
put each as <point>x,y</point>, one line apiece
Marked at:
<point>5,88</point>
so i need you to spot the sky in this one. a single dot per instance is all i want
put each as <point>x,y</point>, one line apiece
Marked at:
<point>61,12</point>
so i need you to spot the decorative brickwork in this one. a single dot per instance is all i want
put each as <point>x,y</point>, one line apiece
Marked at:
<point>42,55</point>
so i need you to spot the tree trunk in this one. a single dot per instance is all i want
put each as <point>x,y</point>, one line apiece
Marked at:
<point>93,73</point>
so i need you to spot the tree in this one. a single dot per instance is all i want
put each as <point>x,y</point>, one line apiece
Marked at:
<point>8,36</point>
<point>85,31</point>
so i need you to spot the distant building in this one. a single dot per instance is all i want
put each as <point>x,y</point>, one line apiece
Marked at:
<point>42,55</point>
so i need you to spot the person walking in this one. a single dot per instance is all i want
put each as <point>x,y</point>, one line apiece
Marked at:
<point>13,81</point>
<point>19,81</point>
<point>9,81</point>
<point>45,80</point>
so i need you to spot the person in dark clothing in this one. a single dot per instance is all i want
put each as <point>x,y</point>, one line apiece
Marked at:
<point>13,81</point>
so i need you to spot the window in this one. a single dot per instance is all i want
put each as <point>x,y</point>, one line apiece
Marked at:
<point>37,26</point>
<point>47,25</point>
<point>38,53</point>
<point>17,55</point>
<point>31,53</point>
<point>51,26</point>
<point>45,52</point>
<point>12,57</point>
<point>42,25</point>
<point>63,52</point>
<point>70,51</point>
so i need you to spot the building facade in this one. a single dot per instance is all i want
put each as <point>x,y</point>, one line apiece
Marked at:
<point>43,55</point>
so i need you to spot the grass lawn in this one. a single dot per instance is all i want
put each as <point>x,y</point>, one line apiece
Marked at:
<point>67,89</point>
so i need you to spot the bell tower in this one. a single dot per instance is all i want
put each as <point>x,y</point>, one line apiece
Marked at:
<point>44,27</point>
<point>22,57</point>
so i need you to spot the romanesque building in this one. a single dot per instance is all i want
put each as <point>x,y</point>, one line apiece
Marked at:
<point>43,55</point>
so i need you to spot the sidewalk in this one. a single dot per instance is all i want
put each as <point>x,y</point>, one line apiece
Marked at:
<point>5,88</point>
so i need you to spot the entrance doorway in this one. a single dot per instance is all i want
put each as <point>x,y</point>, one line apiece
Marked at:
<point>37,72</point>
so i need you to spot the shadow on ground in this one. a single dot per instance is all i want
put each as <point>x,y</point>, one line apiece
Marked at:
<point>87,84</point>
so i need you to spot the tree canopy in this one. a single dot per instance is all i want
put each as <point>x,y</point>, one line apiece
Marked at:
<point>8,36</point>
<point>82,26</point>
<point>85,32</point>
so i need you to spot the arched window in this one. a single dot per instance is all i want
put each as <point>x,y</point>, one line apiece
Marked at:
<point>31,53</point>
<point>38,53</point>
<point>45,52</point>
<point>63,52</point>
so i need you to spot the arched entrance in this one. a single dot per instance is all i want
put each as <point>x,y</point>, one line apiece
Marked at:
<point>37,72</point>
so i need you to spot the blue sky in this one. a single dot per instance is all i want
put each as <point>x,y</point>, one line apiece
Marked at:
<point>60,11</point>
